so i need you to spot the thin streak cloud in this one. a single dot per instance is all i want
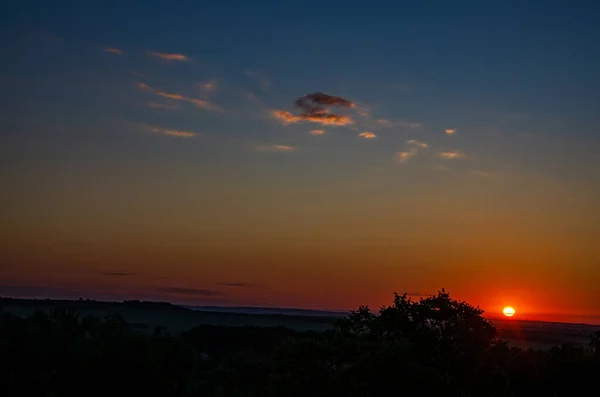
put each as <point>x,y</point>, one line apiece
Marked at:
<point>183,134</point>
<point>450,131</point>
<point>200,103</point>
<point>451,155</point>
<point>417,143</point>
<point>317,132</point>
<point>170,57</point>
<point>325,119</point>
<point>191,291</point>
<point>114,50</point>
<point>274,148</point>
<point>367,135</point>
<point>403,157</point>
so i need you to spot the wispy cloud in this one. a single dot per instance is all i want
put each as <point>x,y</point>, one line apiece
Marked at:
<point>157,105</point>
<point>317,132</point>
<point>367,135</point>
<point>313,107</point>
<point>170,57</point>
<point>209,86</point>
<point>451,155</point>
<point>262,80</point>
<point>114,50</point>
<point>190,291</point>
<point>417,143</point>
<point>274,148</point>
<point>200,103</point>
<point>324,119</point>
<point>451,131</point>
<point>183,134</point>
<point>386,123</point>
<point>403,157</point>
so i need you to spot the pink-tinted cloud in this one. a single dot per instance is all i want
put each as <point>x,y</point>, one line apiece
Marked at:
<point>170,57</point>
<point>367,135</point>
<point>183,134</point>
<point>403,157</point>
<point>274,148</point>
<point>209,86</point>
<point>314,110</point>
<point>144,87</point>
<point>324,118</point>
<point>317,132</point>
<point>417,143</point>
<point>450,131</point>
<point>114,50</point>
<point>451,155</point>
<point>201,103</point>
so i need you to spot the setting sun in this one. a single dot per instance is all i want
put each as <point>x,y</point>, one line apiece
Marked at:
<point>508,311</point>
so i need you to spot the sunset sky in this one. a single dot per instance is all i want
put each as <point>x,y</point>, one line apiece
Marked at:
<point>156,150</point>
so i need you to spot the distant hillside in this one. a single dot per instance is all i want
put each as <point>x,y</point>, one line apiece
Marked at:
<point>269,311</point>
<point>89,303</point>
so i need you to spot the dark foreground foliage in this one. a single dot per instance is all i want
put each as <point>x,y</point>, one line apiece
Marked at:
<point>435,347</point>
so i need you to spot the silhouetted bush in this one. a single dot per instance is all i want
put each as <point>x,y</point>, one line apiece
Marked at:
<point>436,346</point>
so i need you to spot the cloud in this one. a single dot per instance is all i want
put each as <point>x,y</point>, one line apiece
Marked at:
<point>183,134</point>
<point>144,87</point>
<point>209,86</point>
<point>115,274</point>
<point>417,143</point>
<point>451,155</point>
<point>385,123</point>
<point>367,135</point>
<point>114,50</point>
<point>156,105</point>
<point>263,81</point>
<point>324,119</point>
<point>450,131</point>
<point>170,57</point>
<point>309,101</point>
<point>317,132</point>
<point>201,103</point>
<point>314,110</point>
<point>403,157</point>
<point>190,291</point>
<point>275,148</point>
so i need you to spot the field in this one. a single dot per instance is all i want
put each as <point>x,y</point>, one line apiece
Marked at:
<point>175,319</point>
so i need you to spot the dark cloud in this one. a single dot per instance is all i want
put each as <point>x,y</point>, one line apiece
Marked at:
<point>309,101</point>
<point>245,285</point>
<point>314,110</point>
<point>191,291</point>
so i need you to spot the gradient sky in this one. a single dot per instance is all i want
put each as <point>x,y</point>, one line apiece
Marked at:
<point>142,157</point>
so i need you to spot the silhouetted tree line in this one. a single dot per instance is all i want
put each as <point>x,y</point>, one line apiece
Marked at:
<point>437,346</point>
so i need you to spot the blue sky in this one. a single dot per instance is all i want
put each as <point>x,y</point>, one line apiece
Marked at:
<point>156,121</point>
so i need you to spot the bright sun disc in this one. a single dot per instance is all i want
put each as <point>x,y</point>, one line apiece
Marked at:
<point>508,311</point>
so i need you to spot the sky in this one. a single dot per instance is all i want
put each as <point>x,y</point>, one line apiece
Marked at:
<point>318,155</point>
